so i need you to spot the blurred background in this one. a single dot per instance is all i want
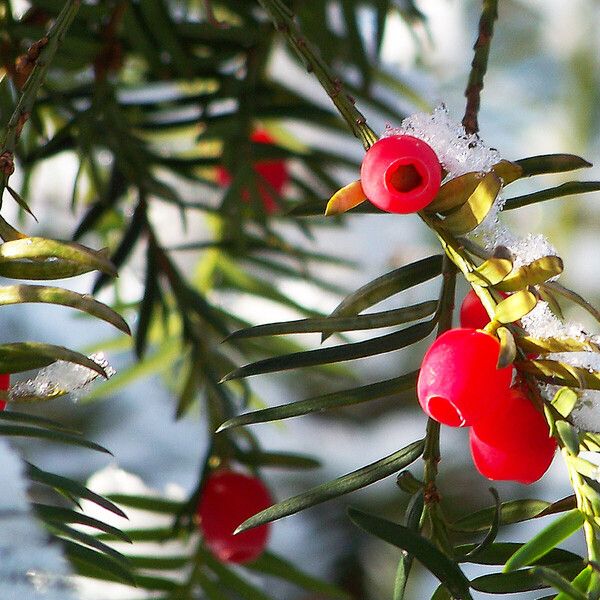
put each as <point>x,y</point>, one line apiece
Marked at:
<point>540,96</point>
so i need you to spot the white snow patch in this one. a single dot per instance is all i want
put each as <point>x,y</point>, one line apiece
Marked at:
<point>542,323</point>
<point>113,480</point>
<point>458,151</point>
<point>60,378</point>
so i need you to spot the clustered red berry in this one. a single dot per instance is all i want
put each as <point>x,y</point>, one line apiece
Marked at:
<point>512,442</point>
<point>272,175</point>
<point>228,498</point>
<point>4,385</point>
<point>400,174</point>
<point>460,385</point>
<point>459,382</point>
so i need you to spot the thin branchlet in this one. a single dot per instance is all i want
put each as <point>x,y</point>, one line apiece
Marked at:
<point>489,15</point>
<point>45,50</point>
<point>284,22</point>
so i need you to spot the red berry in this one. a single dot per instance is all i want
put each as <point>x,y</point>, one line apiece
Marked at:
<point>228,499</point>
<point>513,442</point>
<point>272,175</point>
<point>4,385</point>
<point>458,382</point>
<point>400,174</point>
<point>472,312</point>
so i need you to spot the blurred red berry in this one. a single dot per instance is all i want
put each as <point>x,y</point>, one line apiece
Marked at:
<point>458,382</point>
<point>513,442</point>
<point>4,385</point>
<point>272,175</point>
<point>228,499</point>
<point>400,174</point>
<point>472,312</point>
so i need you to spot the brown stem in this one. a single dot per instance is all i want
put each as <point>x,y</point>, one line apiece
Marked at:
<point>48,49</point>
<point>489,15</point>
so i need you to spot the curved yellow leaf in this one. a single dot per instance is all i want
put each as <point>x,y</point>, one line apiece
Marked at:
<point>344,199</point>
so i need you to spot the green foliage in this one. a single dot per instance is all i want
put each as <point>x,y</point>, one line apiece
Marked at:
<point>157,100</point>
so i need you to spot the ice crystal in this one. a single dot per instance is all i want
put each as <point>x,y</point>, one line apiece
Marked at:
<point>542,323</point>
<point>586,414</point>
<point>458,151</point>
<point>60,378</point>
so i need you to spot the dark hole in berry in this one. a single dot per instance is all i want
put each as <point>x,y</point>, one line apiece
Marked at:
<point>442,410</point>
<point>405,179</point>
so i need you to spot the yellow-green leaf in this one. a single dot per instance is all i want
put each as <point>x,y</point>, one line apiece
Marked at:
<point>552,371</point>
<point>24,356</point>
<point>508,348</point>
<point>568,435</point>
<point>559,530</point>
<point>17,294</point>
<point>538,271</point>
<point>454,193</point>
<point>508,171</point>
<point>491,272</point>
<point>514,307</point>
<point>546,345</point>
<point>564,401</point>
<point>476,208</point>
<point>344,199</point>
<point>41,258</point>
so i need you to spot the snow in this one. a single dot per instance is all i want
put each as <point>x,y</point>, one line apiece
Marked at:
<point>461,153</point>
<point>114,480</point>
<point>32,567</point>
<point>586,413</point>
<point>542,323</point>
<point>458,151</point>
<point>60,378</point>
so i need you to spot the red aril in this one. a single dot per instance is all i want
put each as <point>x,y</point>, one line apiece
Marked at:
<point>228,499</point>
<point>272,175</point>
<point>513,442</point>
<point>400,174</point>
<point>4,385</point>
<point>458,382</point>
<point>472,312</point>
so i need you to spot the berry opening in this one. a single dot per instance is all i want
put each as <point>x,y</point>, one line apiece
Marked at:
<point>400,174</point>
<point>442,410</point>
<point>405,177</point>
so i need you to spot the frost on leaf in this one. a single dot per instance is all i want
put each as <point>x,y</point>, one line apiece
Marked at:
<point>542,323</point>
<point>586,413</point>
<point>58,379</point>
<point>32,567</point>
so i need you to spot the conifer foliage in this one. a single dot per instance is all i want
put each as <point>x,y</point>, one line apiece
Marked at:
<point>179,104</point>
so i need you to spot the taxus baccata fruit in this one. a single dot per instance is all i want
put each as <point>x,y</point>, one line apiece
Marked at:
<point>229,498</point>
<point>458,382</point>
<point>400,174</point>
<point>512,442</point>
<point>272,176</point>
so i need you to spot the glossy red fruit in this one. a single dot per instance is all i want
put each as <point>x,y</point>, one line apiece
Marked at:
<point>513,442</point>
<point>400,174</point>
<point>272,175</point>
<point>458,382</point>
<point>228,499</point>
<point>4,385</point>
<point>472,312</point>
